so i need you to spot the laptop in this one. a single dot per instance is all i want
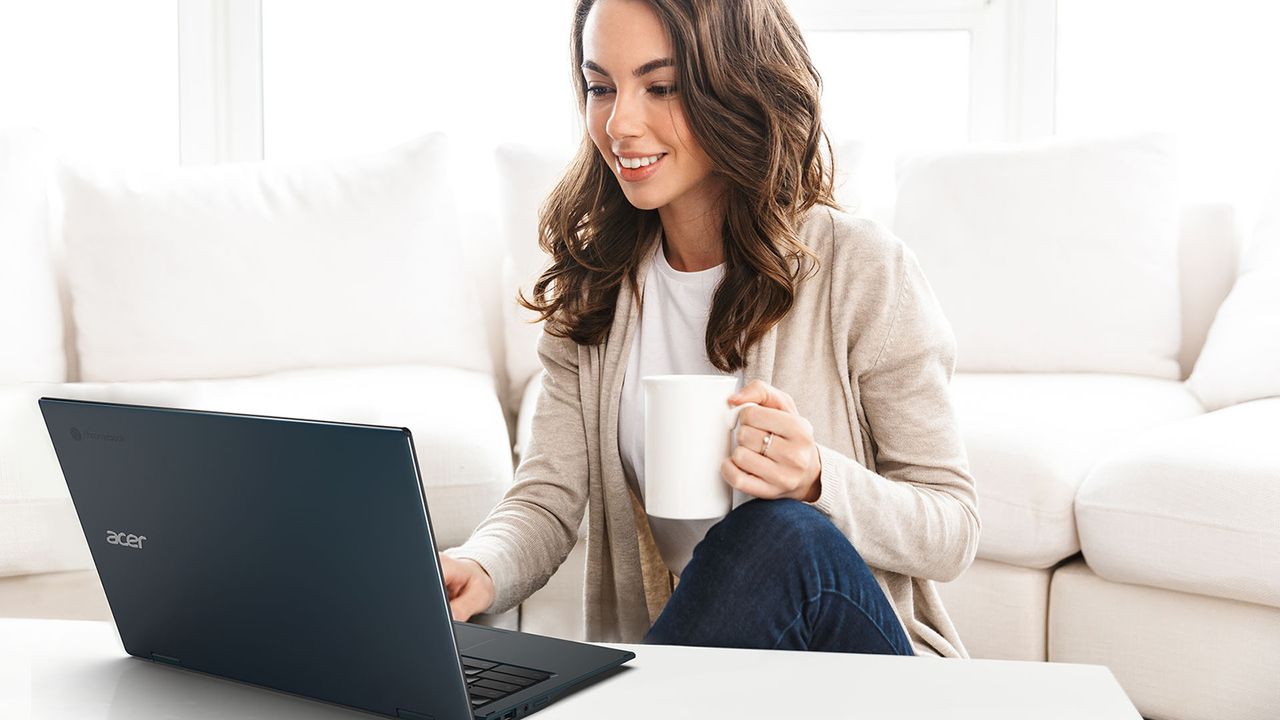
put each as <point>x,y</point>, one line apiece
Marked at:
<point>296,555</point>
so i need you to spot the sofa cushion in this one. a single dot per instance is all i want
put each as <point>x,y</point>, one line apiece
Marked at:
<point>1194,507</point>
<point>459,432</point>
<point>1054,256</point>
<point>1031,440</point>
<point>999,610</point>
<point>245,269</point>
<point>1239,360</point>
<point>1177,655</point>
<point>31,331</point>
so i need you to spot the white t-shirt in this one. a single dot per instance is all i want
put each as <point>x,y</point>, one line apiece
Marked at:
<point>670,340</point>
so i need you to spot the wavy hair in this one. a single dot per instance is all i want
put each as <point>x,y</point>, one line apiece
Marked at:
<point>752,99</point>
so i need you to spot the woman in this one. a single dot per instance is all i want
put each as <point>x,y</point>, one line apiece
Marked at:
<point>696,233</point>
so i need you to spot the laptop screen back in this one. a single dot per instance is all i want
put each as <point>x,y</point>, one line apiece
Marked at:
<point>292,554</point>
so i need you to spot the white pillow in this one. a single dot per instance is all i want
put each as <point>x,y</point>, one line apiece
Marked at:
<point>1241,356</point>
<point>527,176</point>
<point>31,330</point>
<point>246,269</point>
<point>1055,256</point>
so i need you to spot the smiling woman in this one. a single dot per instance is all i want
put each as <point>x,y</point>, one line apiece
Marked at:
<point>694,233</point>
<point>721,139</point>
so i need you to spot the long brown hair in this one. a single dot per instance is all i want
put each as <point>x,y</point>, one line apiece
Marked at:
<point>752,98</point>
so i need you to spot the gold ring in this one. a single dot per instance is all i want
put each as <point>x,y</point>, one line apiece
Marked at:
<point>764,449</point>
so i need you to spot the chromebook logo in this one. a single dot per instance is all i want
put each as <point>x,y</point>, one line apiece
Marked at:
<point>77,435</point>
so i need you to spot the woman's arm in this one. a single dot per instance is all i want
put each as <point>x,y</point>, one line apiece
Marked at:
<point>919,516</point>
<point>527,535</point>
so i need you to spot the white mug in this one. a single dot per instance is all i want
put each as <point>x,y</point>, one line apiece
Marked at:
<point>687,435</point>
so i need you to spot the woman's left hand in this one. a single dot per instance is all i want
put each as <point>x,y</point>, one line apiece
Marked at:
<point>790,468</point>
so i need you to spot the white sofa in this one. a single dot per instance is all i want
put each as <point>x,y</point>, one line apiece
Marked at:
<point>72,326</point>
<point>1122,524</point>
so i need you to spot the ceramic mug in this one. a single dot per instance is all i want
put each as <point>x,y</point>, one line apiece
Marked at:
<point>688,433</point>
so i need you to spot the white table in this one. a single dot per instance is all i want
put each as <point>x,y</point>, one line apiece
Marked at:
<point>78,669</point>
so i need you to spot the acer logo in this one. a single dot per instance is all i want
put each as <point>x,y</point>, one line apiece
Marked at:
<point>125,539</point>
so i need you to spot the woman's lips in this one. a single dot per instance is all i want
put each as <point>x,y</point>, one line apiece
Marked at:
<point>641,173</point>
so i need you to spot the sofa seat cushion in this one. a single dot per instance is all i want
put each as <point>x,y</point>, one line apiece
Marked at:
<point>458,426</point>
<point>1032,438</point>
<point>1194,507</point>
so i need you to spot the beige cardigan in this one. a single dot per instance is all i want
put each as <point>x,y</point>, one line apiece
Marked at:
<point>867,355</point>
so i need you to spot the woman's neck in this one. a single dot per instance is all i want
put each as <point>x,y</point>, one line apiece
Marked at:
<point>692,237</point>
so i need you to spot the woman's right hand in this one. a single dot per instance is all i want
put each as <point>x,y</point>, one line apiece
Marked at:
<point>469,587</point>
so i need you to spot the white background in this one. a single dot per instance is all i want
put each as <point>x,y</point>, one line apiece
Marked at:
<point>329,77</point>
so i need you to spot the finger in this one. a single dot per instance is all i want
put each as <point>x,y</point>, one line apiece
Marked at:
<point>759,391</point>
<point>753,463</point>
<point>452,578</point>
<point>766,419</point>
<point>747,483</point>
<point>457,608</point>
<point>781,449</point>
<point>464,606</point>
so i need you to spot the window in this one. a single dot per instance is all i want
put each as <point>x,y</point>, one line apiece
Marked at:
<point>101,79</point>
<point>901,88</point>
<point>1205,73</point>
<point>342,77</point>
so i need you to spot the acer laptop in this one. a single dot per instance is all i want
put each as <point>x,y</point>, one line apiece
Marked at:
<point>296,555</point>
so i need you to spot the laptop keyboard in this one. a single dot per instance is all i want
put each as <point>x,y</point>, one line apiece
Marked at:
<point>488,681</point>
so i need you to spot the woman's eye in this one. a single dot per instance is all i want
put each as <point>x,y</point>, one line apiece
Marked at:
<point>659,90</point>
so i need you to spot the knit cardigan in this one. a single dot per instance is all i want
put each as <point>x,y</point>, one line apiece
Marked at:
<point>866,354</point>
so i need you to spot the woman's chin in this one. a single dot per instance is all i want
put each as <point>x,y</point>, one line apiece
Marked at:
<point>643,201</point>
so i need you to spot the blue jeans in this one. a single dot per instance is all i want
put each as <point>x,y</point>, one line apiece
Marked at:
<point>777,574</point>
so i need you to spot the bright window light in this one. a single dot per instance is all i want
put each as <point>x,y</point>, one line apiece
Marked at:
<point>1203,71</point>
<point>342,77</point>
<point>901,88</point>
<point>100,78</point>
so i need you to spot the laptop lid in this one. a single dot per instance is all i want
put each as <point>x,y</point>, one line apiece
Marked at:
<point>292,554</point>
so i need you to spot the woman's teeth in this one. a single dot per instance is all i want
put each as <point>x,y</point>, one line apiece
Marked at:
<point>633,163</point>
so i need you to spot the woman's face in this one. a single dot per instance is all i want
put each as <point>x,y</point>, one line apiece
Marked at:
<point>632,116</point>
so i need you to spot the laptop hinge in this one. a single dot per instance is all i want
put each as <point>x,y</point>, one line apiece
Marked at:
<point>165,659</point>
<point>411,715</point>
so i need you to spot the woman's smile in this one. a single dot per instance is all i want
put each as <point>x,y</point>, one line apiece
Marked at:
<point>637,174</point>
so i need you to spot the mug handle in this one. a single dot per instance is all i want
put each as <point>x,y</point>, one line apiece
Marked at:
<point>731,416</point>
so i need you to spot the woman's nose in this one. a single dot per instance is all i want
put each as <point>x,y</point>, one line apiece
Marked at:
<point>626,119</point>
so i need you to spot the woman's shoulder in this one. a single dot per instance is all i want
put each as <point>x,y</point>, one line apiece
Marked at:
<point>856,253</point>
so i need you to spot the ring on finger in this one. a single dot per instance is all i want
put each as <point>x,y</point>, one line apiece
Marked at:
<point>764,447</point>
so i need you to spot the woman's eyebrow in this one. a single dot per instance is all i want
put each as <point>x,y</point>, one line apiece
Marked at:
<point>641,71</point>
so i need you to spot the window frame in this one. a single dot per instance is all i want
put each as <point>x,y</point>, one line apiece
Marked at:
<point>1011,65</point>
<point>1011,52</point>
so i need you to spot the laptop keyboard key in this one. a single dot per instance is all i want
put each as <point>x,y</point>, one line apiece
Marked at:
<point>484,692</point>
<point>503,677</point>
<point>477,663</point>
<point>534,675</point>
<point>497,685</point>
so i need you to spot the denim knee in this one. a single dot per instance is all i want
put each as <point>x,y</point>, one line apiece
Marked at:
<point>784,527</point>
<point>783,516</point>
